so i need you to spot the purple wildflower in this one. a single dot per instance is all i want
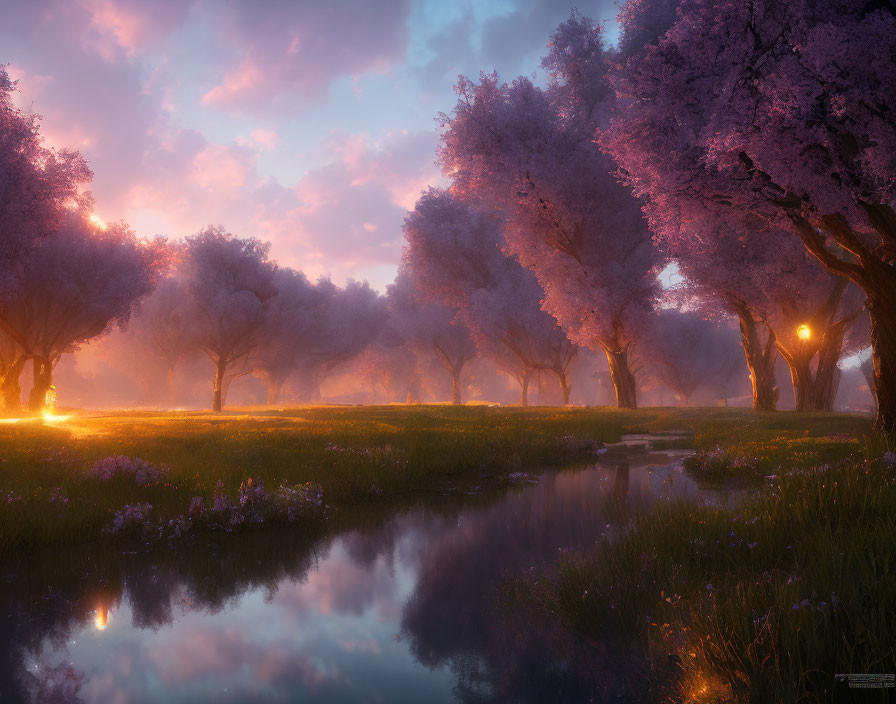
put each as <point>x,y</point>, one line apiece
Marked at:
<point>131,518</point>
<point>140,471</point>
<point>197,507</point>
<point>58,496</point>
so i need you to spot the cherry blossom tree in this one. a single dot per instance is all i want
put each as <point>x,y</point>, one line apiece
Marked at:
<point>79,282</point>
<point>291,326</point>
<point>161,327</point>
<point>431,328</point>
<point>36,183</point>
<point>533,153</point>
<point>390,364</point>
<point>773,290</point>
<point>453,255</point>
<point>350,319</point>
<point>685,352</point>
<point>782,111</point>
<point>230,283</point>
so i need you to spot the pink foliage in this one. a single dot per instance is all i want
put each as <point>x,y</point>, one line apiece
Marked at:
<point>80,282</point>
<point>453,254</point>
<point>35,183</point>
<point>532,152</point>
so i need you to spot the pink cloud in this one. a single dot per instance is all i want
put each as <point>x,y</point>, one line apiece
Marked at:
<point>222,652</point>
<point>342,218</point>
<point>289,48</point>
<point>265,138</point>
<point>133,25</point>
<point>222,169</point>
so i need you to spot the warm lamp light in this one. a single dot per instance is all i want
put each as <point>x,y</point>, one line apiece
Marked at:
<point>804,332</point>
<point>102,618</point>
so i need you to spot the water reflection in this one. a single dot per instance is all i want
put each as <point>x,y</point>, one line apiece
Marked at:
<point>382,607</point>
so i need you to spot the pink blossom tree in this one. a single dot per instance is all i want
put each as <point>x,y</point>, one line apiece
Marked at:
<point>453,255</point>
<point>348,320</point>
<point>291,326</point>
<point>781,111</point>
<point>389,363</point>
<point>431,328</point>
<point>36,183</point>
<point>230,283</point>
<point>532,152</point>
<point>75,286</point>
<point>730,269</point>
<point>685,352</point>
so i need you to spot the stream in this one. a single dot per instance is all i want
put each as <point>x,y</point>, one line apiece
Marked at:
<point>397,605</point>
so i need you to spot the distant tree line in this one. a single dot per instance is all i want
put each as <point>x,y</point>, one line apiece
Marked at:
<point>721,178</point>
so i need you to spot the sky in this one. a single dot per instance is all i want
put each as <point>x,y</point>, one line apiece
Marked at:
<point>311,125</point>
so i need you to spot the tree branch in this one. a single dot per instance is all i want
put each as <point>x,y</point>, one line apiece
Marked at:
<point>816,246</point>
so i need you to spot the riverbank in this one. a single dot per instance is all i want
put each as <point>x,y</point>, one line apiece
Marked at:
<point>768,600</point>
<point>84,477</point>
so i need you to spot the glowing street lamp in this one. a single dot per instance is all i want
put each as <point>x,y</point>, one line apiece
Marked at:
<point>804,332</point>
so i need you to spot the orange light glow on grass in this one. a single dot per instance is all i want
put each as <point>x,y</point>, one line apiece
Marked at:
<point>50,417</point>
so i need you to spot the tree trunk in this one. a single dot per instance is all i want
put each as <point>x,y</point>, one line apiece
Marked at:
<point>565,387</point>
<point>623,379</point>
<point>875,274</point>
<point>760,362</point>
<point>43,380</point>
<point>868,372</point>
<point>815,391</point>
<point>455,388</point>
<point>275,386</point>
<point>827,375</point>
<point>218,389</point>
<point>11,389</point>
<point>882,310</point>
<point>524,388</point>
<point>801,378</point>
